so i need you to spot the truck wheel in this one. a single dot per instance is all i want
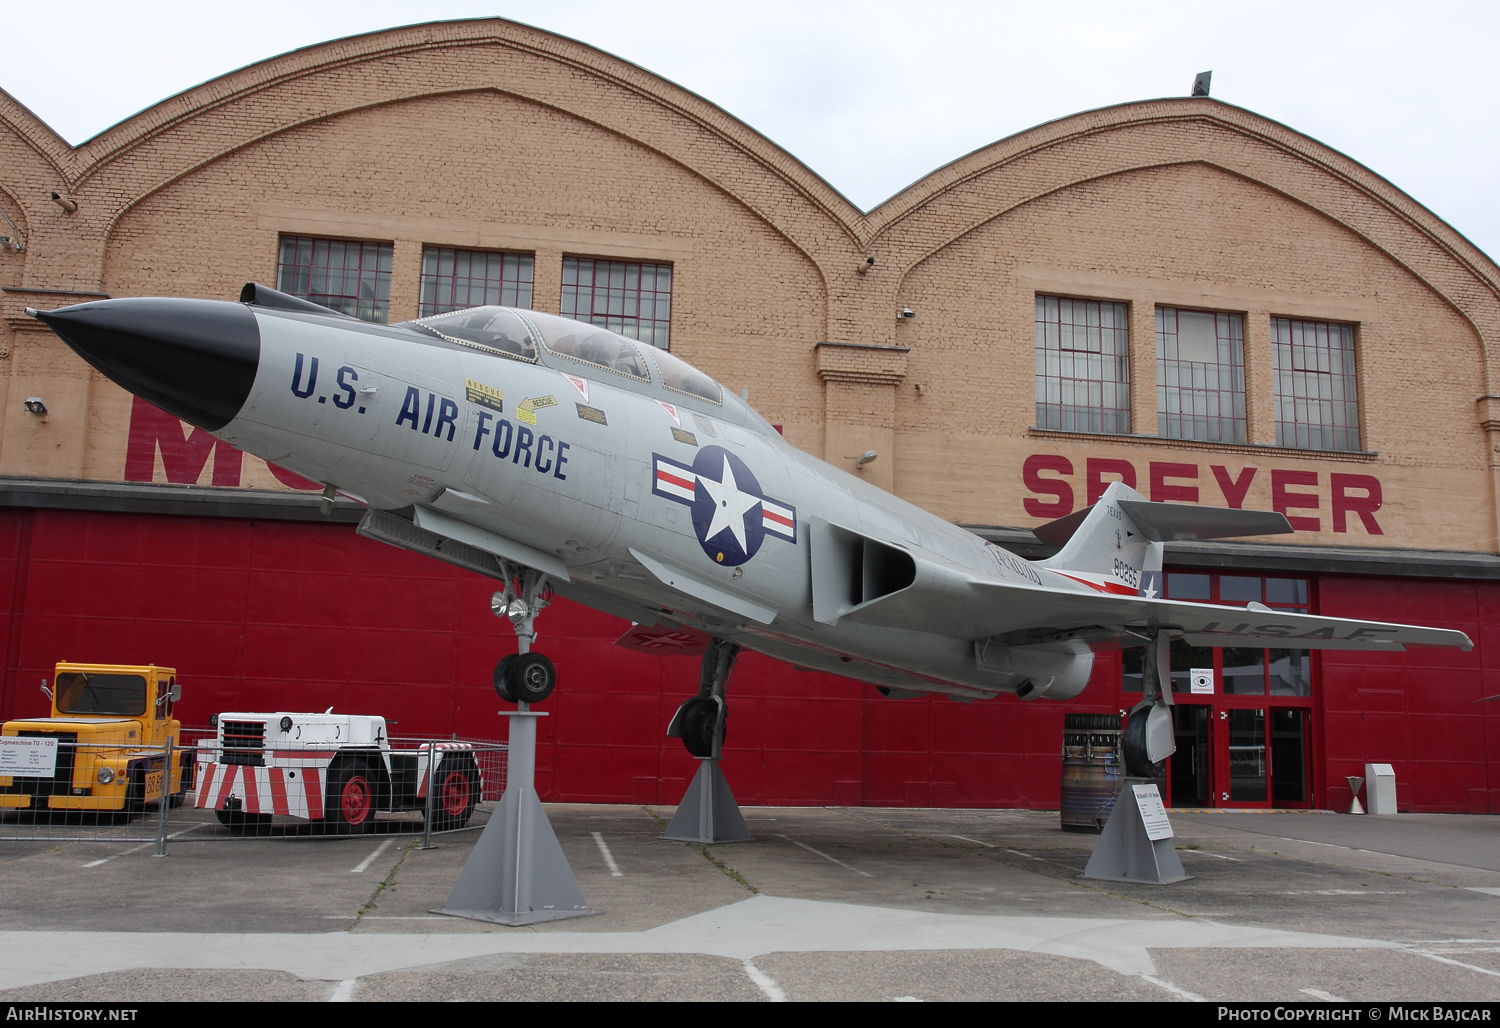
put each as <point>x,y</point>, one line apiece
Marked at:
<point>532,678</point>
<point>456,792</point>
<point>352,800</point>
<point>502,677</point>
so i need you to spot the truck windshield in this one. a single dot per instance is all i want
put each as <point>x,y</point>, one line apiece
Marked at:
<point>81,693</point>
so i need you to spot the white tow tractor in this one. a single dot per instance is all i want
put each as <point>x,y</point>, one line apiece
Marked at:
<point>338,769</point>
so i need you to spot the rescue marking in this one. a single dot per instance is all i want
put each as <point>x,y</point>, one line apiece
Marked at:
<point>671,410</point>
<point>364,864</point>
<point>484,395</point>
<point>609,858</point>
<point>581,384</point>
<point>527,408</point>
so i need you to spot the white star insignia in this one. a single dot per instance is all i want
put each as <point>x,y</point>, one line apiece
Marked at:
<point>730,506</point>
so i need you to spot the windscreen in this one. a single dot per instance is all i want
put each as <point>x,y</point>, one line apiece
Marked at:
<point>487,328</point>
<point>79,692</point>
<point>595,346</point>
<point>678,374</point>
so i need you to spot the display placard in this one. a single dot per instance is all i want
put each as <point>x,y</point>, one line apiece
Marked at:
<point>1201,681</point>
<point>28,757</point>
<point>1153,812</point>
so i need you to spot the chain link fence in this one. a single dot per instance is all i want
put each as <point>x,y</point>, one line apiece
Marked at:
<point>208,787</point>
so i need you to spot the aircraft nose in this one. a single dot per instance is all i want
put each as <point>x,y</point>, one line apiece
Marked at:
<point>192,358</point>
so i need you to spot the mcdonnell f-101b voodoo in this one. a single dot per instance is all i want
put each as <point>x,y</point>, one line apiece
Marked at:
<point>553,455</point>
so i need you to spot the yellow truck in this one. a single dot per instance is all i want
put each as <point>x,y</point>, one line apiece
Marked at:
<point>104,749</point>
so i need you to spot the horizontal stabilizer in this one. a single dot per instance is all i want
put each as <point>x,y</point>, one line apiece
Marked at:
<point>1175,522</point>
<point>1171,522</point>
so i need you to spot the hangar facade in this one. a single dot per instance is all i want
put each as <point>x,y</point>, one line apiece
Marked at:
<point>1177,293</point>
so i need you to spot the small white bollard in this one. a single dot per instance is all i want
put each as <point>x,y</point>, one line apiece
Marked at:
<point>1380,788</point>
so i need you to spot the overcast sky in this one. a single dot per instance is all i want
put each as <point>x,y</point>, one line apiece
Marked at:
<point>873,95</point>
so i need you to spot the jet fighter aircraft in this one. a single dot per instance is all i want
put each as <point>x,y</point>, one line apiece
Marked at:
<point>553,455</point>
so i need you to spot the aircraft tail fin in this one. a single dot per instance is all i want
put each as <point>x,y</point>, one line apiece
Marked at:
<point>1117,543</point>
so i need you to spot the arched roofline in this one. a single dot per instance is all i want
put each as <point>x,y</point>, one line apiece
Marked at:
<point>77,164</point>
<point>954,175</point>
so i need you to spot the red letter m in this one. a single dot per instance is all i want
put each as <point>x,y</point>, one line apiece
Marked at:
<point>183,457</point>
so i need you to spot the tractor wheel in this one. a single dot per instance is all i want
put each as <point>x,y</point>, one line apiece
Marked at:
<point>531,678</point>
<point>456,792</point>
<point>353,797</point>
<point>502,677</point>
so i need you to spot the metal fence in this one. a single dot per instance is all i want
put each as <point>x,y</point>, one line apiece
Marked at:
<point>205,789</point>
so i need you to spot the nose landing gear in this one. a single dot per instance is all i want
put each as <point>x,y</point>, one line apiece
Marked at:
<point>524,677</point>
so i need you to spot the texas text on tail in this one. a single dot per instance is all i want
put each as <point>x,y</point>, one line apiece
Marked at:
<point>554,455</point>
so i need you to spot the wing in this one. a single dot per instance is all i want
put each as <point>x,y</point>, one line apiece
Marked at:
<point>942,598</point>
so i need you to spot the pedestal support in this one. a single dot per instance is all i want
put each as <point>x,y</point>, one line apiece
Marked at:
<point>1136,845</point>
<point>708,812</point>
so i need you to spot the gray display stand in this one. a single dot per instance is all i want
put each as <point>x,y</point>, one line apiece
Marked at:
<point>708,812</point>
<point>1126,851</point>
<point>517,874</point>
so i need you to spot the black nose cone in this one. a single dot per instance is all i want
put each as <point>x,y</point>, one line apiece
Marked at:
<point>192,358</point>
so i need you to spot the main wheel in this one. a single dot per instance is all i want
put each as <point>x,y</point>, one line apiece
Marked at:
<point>351,803</point>
<point>456,792</point>
<point>502,677</point>
<point>698,723</point>
<point>531,678</point>
<point>1137,763</point>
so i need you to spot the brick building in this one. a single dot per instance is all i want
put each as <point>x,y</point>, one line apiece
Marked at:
<point>1178,293</point>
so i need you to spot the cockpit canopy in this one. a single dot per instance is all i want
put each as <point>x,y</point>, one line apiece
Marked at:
<point>517,334</point>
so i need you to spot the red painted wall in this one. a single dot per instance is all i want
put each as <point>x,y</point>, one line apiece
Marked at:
<point>266,615</point>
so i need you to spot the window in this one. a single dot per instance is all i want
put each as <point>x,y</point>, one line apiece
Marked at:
<point>1082,365</point>
<point>349,277</point>
<point>1239,670</point>
<point>456,279</point>
<point>603,349</point>
<point>1317,404</point>
<point>632,299</point>
<point>1200,375</point>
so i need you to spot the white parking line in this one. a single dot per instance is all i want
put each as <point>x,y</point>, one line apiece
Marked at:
<point>1028,856</point>
<point>1174,990</point>
<point>764,982</point>
<point>965,838</point>
<point>364,864</point>
<point>137,849</point>
<point>825,856</point>
<point>343,992</point>
<point>1455,963</point>
<point>1326,997</point>
<point>609,858</point>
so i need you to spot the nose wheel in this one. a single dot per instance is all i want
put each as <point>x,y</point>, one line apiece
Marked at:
<point>523,677</point>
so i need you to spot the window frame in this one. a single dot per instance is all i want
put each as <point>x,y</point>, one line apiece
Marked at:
<point>603,320</point>
<point>1355,352</point>
<point>1241,420</point>
<point>385,248</point>
<point>526,258</point>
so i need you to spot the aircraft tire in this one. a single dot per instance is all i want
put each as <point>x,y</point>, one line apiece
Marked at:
<point>531,678</point>
<point>1137,764</point>
<point>698,717</point>
<point>502,677</point>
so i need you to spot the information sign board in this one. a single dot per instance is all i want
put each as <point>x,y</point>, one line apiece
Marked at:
<point>1153,812</point>
<point>28,757</point>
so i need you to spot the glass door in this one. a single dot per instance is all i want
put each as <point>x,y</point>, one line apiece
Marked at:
<point>1244,758</point>
<point>1190,769</point>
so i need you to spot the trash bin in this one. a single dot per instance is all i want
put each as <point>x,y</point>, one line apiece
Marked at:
<point>1093,769</point>
<point>1380,788</point>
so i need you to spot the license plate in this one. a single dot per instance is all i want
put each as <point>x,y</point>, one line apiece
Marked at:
<point>153,785</point>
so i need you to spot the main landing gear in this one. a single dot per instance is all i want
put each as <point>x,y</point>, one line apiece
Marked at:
<point>517,874</point>
<point>708,812</point>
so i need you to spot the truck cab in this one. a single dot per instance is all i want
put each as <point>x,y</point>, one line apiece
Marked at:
<point>104,747</point>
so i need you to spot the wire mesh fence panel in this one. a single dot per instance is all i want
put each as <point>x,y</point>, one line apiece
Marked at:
<point>53,787</point>
<point>223,783</point>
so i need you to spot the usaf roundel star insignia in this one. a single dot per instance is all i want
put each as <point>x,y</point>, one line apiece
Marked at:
<point>731,515</point>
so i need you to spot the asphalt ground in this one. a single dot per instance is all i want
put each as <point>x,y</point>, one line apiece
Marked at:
<point>825,904</point>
